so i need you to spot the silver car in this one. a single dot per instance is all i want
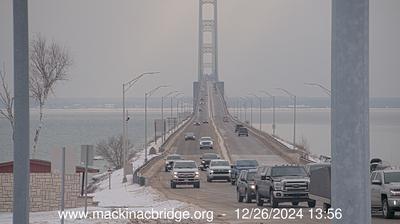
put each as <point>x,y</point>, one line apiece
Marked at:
<point>385,191</point>
<point>219,169</point>
<point>206,143</point>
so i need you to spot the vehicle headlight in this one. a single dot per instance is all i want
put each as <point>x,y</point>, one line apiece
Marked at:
<point>203,161</point>
<point>253,187</point>
<point>166,162</point>
<point>197,172</point>
<point>230,171</point>
<point>278,186</point>
<point>394,193</point>
<point>211,171</point>
<point>175,173</point>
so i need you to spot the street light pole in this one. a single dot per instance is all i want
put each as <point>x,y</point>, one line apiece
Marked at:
<point>251,110</point>
<point>260,101</point>
<point>177,110</point>
<point>244,108</point>
<point>125,87</point>
<point>294,114</point>
<point>172,97</point>
<point>162,113</point>
<point>273,111</point>
<point>146,95</point>
<point>237,109</point>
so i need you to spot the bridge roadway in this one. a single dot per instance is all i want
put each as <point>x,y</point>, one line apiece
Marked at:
<point>220,197</point>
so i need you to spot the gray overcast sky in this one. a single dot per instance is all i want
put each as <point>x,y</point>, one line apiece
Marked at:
<point>263,44</point>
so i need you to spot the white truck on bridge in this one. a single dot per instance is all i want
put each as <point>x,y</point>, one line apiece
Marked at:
<point>185,172</point>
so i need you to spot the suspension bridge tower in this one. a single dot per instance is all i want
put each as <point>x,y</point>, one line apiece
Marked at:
<point>208,46</point>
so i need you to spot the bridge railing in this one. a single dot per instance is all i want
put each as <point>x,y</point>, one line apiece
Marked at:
<point>138,177</point>
<point>289,155</point>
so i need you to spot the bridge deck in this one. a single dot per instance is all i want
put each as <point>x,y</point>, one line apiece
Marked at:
<point>220,196</point>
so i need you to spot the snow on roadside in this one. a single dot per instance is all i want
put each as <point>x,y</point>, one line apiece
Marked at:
<point>311,157</point>
<point>285,143</point>
<point>128,195</point>
<point>121,195</point>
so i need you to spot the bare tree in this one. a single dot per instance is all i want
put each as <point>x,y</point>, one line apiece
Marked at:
<point>6,100</point>
<point>49,64</point>
<point>111,150</point>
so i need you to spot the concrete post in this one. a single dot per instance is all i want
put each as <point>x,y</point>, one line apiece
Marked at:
<point>21,112</point>
<point>350,111</point>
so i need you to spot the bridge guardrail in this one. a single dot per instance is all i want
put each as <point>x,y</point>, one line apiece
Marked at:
<point>137,174</point>
<point>267,139</point>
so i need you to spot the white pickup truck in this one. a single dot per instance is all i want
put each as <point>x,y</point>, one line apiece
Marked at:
<point>185,172</point>
<point>219,169</point>
<point>206,143</point>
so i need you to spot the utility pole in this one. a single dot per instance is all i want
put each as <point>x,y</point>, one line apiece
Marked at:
<point>350,111</point>
<point>21,110</point>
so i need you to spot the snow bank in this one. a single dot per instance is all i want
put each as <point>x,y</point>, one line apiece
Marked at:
<point>285,143</point>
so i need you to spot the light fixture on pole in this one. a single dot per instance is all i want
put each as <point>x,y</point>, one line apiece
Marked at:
<point>125,87</point>
<point>294,114</point>
<point>273,110</point>
<point>147,95</point>
<point>326,90</point>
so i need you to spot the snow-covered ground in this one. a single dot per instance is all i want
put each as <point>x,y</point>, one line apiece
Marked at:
<point>285,143</point>
<point>127,196</point>
<point>121,195</point>
<point>311,157</point>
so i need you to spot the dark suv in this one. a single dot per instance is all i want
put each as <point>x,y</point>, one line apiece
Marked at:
<point>284,183</point>
<point>243,132</point>
<point>242,164</point>
<point>238,126</point>
<point>170,159</point>
<point>246,186</point>
<point>206,158</point>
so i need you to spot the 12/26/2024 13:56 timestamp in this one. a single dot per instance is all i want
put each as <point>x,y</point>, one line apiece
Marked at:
<point>287,214</point>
